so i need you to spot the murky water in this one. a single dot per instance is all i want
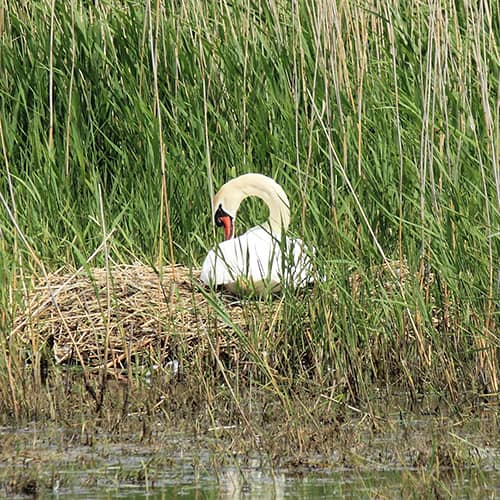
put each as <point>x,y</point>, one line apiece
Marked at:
<point>53,463</point>
<point>233,484</point>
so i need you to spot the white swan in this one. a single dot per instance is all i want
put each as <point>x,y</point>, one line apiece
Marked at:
<point>259,260</point>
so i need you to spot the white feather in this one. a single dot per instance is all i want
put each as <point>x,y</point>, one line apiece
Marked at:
<point>259,260</point>
<point>254,262</point>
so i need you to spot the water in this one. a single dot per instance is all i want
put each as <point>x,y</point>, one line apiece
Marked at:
<point>57,463</point>
<point>233,483</point>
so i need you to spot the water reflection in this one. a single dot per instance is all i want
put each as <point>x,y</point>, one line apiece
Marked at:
<point>251,483</point>
<point>405,459</point>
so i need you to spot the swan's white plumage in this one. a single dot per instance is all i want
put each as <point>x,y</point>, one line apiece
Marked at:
<point>257,261</point>
<point>254,262</point>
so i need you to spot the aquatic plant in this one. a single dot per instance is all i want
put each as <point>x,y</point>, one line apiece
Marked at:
<point>380,120</point>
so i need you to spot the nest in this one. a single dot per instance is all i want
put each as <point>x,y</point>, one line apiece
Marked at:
<point>128,314</point>
<point>110,317</point>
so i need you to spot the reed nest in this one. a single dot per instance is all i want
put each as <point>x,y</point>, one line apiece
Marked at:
<point>112,317</point>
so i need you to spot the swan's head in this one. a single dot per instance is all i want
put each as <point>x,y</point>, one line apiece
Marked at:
<point>225,220</point>
<point>229,197</point>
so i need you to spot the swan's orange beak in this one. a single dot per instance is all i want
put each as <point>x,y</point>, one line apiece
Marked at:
<point>227,223</point>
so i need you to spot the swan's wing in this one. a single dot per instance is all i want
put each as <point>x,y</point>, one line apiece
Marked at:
<point>263,255</point>
<point>207,270</point>
<point>255,257</point>
<point>226,262</point>
<point>219,267</point>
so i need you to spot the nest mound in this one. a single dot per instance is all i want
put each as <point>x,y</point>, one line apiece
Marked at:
<point>112,316</point>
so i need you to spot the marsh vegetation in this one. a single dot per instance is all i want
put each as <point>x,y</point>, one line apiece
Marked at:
<point>119,119</point>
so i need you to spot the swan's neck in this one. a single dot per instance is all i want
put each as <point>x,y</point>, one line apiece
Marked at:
<point>235,191</point>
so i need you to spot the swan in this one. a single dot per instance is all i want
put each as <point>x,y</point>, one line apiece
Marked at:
<point>263,258</point>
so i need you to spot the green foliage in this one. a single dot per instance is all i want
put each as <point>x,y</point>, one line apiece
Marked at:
<point>379,120</point>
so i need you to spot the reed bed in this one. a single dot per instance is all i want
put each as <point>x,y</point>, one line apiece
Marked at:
<point>119,119</point>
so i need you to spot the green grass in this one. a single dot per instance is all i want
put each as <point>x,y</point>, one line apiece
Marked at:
<point>380,121</point>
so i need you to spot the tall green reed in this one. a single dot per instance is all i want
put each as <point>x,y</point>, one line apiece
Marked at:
<point>379,120</point>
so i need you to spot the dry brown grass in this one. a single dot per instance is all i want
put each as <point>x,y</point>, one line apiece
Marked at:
<point>108,317</point>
